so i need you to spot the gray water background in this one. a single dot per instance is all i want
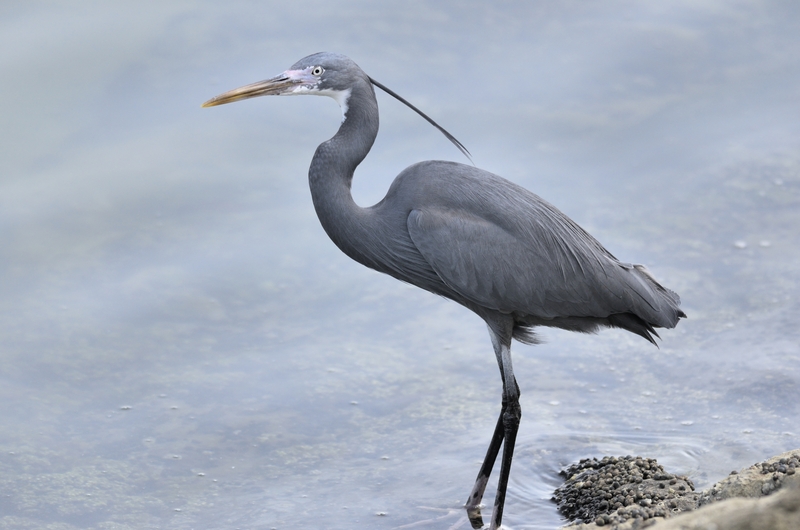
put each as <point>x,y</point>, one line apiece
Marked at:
<point>182,347</point>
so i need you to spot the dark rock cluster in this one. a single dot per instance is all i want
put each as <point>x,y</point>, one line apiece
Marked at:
<point>779,470</point>
<point>787,466</point>
<point>757,480</point>
<point>614,490</point>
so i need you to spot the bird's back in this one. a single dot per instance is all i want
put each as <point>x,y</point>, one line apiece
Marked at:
<point>502,248</point>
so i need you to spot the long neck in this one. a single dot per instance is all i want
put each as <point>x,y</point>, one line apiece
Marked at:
<point>331,173</point>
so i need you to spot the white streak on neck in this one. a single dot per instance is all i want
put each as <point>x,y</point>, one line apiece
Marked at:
<point>341,97</point>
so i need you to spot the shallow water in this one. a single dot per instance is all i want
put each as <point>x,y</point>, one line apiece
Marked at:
<point>182,347</point>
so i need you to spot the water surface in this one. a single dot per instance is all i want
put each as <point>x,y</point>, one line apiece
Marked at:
<point>182,347</point>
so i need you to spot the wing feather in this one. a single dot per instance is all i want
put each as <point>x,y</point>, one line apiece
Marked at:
<point>542,265</point>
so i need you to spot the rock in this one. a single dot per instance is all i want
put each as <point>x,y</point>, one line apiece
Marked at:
<point>614,490</point>
<point>757,480</point>
<point>775,512</point>
<point>765,496</point>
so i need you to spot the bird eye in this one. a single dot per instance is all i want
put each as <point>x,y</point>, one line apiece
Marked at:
<point>317,70</point>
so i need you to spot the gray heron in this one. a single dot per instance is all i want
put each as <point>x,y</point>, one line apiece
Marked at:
<point>468,235</point>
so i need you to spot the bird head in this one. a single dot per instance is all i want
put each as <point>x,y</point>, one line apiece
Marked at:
<point>321,74</point>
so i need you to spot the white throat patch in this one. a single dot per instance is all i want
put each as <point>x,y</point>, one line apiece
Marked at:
<point>340,96</point>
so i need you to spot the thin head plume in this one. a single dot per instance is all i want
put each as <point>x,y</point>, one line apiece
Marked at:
<point>415,109</point>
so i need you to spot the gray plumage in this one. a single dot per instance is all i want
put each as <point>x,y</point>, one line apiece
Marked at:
<point>470,236</point>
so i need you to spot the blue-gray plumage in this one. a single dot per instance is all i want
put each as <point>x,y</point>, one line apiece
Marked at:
<point>470,236</point>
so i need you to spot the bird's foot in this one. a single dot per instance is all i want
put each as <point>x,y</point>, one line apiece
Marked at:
<point>473,505</point>
<point>476,520</point>
<point>475,517</point>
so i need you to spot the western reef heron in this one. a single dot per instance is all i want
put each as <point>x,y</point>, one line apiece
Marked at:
<point>470,236</point>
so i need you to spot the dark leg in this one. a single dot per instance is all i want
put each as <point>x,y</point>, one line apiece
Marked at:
<point>511,418</point>
<point>505,433</point>
<point>476,495</point>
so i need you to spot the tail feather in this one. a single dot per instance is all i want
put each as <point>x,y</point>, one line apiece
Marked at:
<point>634,324</point>
<point>665,300</point>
